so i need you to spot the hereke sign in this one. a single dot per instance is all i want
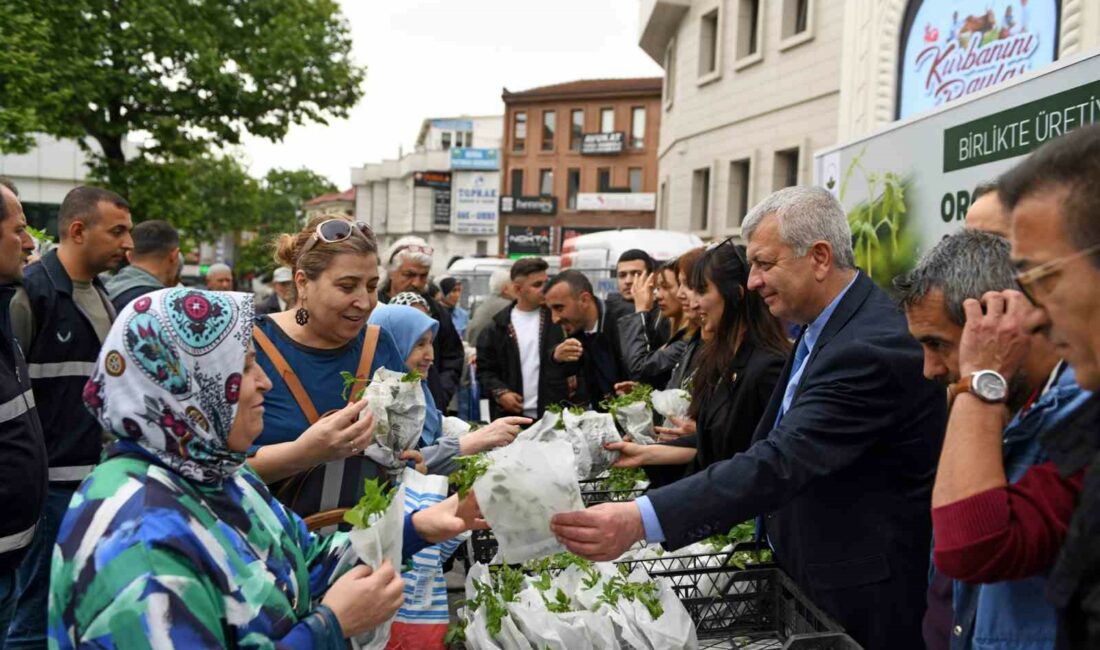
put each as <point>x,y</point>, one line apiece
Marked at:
<point>529,204</point>
<point>957,47</point>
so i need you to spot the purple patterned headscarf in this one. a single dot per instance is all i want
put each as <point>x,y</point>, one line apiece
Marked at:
<point>169,377</point>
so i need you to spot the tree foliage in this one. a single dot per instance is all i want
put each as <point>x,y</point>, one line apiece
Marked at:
<point>182,74</point>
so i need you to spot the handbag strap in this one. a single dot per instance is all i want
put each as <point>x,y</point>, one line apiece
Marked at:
<point>370,346</point>
<point>285,371</point>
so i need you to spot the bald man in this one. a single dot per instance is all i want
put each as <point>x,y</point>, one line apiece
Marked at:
<point>219,278</point>
<point>986,212</point>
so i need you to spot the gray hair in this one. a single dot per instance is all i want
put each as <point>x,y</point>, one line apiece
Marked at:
<point>218,268</point>
<point>964,265</point>
<point>806,215</point>
<point>498,280</point>
<point>398,253</point>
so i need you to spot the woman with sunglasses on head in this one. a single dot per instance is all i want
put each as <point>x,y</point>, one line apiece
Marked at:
<point>172,541</point>
<point>737,370</point>
<point>306,349</point>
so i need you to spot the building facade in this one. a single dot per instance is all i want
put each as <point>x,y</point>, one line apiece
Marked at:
<point>446,190</point>
<point>333,203</point>
<point>752,88</point>
<point>578,157</point>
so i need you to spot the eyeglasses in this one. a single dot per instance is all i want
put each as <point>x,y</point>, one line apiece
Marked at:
<point>334,231</point>
<point>1028,280</point>
<point>413,248</point>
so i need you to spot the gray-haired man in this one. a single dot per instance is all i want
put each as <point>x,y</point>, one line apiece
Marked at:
<point>967,265</point>
<point>408,265</point>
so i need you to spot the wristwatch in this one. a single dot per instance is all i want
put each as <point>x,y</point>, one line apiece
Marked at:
<point>987,385</point>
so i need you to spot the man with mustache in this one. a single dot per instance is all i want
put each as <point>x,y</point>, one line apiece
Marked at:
<point>1039,394</point>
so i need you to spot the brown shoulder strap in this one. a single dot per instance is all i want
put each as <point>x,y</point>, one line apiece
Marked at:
<point>291,379</point>
<point>370,346</point>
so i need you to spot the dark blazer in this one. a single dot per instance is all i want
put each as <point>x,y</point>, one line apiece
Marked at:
<point>845,480</point>
<point>498,361</point>
<point>269,305</point>
<point>604,344</point>
<point>645,359</point>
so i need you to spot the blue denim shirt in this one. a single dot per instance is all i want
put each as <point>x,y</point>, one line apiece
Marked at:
<point>1014,614</point>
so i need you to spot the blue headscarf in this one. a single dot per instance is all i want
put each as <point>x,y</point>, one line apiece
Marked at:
<point>406,325</point>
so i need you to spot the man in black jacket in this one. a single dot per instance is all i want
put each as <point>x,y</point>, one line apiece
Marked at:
<point>842,463</point>
<point>590,359</point>
<point>513,351</point>
<point>408,263</point>
<point>60,318</point>
<point>22,449</point>
<point>154,263</point>
<point>632,272</point>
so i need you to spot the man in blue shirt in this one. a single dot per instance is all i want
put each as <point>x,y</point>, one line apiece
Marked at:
<point>841,466</point>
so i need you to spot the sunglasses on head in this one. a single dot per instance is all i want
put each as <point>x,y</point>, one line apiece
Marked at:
<point>413,248</point>
<point>336,230</point>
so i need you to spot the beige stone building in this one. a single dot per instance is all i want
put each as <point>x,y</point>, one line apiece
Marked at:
<point>752,88</point>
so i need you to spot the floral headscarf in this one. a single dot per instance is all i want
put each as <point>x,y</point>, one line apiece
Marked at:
<point>169,376</point>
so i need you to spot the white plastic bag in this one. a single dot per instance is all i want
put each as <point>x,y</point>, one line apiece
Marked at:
<point>526,484</point>
<point>637,419</point>
<point>565,631</point>
<point>455,427</point>
<point>671,403</point>
<point>589,432</point>
<point>381,541</point>
<point>399,408</point>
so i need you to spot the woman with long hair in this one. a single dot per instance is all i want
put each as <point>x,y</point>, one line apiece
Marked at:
<point>644,361</point>
<point>738,367</point>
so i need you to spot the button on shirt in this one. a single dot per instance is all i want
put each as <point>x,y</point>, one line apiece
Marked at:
<point>653,532</point>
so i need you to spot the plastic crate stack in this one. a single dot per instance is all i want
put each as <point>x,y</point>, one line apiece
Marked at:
<point>593,492</point>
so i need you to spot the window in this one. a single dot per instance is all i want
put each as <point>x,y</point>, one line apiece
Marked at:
<point>637,127</point>
<point>576,134</point>
<point>748,28</point>
<point>464,139</point>
<point>708,43</point>
<point>446,140</point>
<point>549,125</point>
<point>573,186</point>
<point>738,194</point>
<point>603,179</point>
<point>786,169</point>
<point>546,182</point>
<point>670,74</point>
<point>700,199</point>
<point>519,131</point>
<point>607,120</point>
<point>482,247</point>
<point>635,175</point>
<point>517,182</point>
<point>796,17</point>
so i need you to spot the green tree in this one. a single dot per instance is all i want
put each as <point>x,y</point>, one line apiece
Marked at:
<point>182,75</point>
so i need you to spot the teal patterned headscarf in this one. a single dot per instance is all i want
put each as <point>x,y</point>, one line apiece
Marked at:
<point>168,378</point>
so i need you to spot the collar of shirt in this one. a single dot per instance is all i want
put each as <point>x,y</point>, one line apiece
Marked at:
<point>599,319</point>
<point>813,331</point>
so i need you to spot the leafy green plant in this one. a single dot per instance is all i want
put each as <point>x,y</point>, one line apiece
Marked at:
<point>470,469</point>
<point>376,498</point>
<point>456,633</point>
<point>639,393</point>
<point>561,603</point>
<point>39,235</point>
<point>883,244</point>
<point>412,376</point>
<point>642,592</point>
<point>349,381</point>
<point>621,479</point>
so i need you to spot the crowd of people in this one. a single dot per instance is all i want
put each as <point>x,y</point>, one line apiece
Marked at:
<point>919,459</point>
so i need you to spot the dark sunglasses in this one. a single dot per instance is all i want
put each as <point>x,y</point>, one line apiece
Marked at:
<point>334,231</point>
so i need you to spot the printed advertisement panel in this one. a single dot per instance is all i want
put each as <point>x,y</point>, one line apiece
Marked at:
<point>524,241</point>
<point>957,47</point>
<point>908,186</point>
<point>475,197</point>
<point>632,201</point>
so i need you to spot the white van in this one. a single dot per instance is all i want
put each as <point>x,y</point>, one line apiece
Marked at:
<point>596,253</point>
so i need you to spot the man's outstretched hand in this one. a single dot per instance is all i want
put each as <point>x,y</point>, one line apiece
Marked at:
<point>602,532</point>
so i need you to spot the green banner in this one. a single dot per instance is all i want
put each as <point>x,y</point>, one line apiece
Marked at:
<point>1017,131</point>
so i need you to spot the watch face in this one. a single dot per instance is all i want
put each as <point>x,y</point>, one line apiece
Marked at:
<point>990,386</point>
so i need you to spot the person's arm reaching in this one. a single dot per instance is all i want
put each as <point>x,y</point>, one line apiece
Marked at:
<point>642,361</point>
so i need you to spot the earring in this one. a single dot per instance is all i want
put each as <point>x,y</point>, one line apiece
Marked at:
<point>302,315</point>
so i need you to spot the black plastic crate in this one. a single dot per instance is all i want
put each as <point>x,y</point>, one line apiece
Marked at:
<point>481,547</point>
<point>755,609</point>
<point>593,492</point>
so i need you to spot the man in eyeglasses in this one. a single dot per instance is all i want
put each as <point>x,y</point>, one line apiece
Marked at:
<point>1048,522</point>
<point>408,264</point>
<point>1041,391</point>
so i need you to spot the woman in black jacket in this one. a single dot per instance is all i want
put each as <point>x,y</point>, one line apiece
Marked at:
<point>738,368</point>
<point>644,361</point>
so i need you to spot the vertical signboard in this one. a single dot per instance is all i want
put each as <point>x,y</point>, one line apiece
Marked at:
<point>475,197</point>
<point>441,209</point>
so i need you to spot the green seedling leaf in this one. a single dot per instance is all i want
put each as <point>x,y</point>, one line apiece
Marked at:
<point>470,469</point>
<point>375,500</point>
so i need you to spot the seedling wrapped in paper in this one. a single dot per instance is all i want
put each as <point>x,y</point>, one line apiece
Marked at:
<point>378,527</point>
<point>397,402</point>
<point>671,403</point>
<point>586,432</point>
<point>634,413</point>
<point>522,487</point>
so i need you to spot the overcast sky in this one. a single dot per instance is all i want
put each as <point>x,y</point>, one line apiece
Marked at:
<point>434,58</point>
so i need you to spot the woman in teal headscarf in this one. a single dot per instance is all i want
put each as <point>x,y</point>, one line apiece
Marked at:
<point>172,541</point>
<point>412,331</point>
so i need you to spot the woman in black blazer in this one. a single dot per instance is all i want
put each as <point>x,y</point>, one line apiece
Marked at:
<point>737,370</point>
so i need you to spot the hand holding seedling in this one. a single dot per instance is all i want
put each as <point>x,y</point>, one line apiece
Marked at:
<point>337,435</point>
